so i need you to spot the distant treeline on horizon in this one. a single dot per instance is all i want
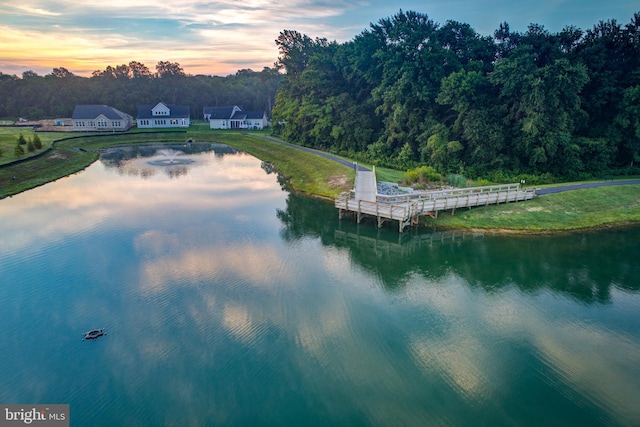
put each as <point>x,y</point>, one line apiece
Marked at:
<point>128,85</point>
<point>409,91</point>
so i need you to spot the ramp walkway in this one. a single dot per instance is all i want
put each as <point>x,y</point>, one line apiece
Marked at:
<point>364,200</point>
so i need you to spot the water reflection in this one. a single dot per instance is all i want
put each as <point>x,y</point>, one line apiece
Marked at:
<point>229,302</point>
<point>173,160</point>
<point>584,266</point>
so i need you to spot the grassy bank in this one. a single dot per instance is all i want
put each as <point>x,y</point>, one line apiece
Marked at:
<point>318,176</point>
<point>9,138</point>
<point>567,211</point>
<point>307,173</point>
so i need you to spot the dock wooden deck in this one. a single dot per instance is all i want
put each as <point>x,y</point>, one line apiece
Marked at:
<point>407,208</point>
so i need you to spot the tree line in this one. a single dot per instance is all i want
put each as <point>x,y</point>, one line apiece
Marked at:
<point>409,91</point>
<point>128,85</point>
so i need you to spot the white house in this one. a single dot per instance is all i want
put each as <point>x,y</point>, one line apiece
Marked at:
<point>163,116</point>
<point>234,117</point>
<point>100,118</point>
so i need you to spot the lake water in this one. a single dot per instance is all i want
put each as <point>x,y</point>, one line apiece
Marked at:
<point>228,301</point>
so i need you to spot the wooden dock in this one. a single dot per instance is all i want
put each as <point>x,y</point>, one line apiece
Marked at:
<point>364,201</point>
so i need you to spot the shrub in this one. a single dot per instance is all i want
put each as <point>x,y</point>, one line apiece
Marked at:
<point>21,140</point>
<point>30,147</point>
<point>457,180</point>
<point>18,151</point>
<point>422,174</point>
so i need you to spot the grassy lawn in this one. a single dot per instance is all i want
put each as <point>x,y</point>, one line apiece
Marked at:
<point>571,210</point>
<point>318,176</point>
<point>9,138</point>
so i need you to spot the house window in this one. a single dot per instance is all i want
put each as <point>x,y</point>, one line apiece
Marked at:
<point>173,121</point>
<point>102,123</point>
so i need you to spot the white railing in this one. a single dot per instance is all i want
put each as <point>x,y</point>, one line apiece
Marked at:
<point>402,207</point>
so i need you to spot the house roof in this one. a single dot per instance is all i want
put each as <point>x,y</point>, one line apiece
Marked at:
<point>220,112</point>
<point>255,114</point>
<point>90,112</point>
<point>175,111</point>
<point>232,112</point>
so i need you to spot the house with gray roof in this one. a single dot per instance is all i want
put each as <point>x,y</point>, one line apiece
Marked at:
<point>163,115</point>
<point>100,118</point>
<point>234,117</point>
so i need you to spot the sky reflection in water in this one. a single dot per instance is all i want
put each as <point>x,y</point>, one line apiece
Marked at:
<point>228,301</point>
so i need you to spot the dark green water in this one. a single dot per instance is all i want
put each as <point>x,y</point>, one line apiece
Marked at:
<point>228,301</point>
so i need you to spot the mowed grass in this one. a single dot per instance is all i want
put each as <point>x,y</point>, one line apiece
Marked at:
<point>566,211</point>
<point>54,165</point>
<point>9,138</point>
<point>306,172</point>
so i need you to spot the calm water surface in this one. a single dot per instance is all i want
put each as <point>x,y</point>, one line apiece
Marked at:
<point>228,301</point>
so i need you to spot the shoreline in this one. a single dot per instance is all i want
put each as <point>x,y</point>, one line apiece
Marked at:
<point>312,174</point>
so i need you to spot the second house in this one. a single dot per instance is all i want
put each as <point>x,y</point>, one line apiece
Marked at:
<point>163,116</point>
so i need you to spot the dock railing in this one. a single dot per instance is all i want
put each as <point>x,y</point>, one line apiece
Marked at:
<point>405,208</point>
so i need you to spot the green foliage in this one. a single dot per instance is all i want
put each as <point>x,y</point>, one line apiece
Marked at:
<point>128,85</point>
<point>30,147</point>
<point>507,177</point>
<point>457,180</point>
<point>18,151</point>
<point>21,140</point>
<point>410,91</point>
<point>37,143</point>
<point>422,174</point>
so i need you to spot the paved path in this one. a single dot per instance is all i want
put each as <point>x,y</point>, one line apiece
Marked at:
<point>311,150</point>
<point>561,188</point>
<point>539,192</point>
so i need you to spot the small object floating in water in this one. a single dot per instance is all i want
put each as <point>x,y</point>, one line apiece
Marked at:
<point>94,334</point>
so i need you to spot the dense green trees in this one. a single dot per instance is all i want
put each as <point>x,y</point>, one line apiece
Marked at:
<point>128,85</point>
<point>409,91</point>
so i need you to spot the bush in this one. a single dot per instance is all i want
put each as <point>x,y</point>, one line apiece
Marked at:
<point>21,140</point>
<point>457,180</point>
<point>422,174</point>
<point>30,147</point>
<point>18,151</point>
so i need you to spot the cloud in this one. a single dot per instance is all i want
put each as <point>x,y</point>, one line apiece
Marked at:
<point>229,34</point>
<point>88,38</point>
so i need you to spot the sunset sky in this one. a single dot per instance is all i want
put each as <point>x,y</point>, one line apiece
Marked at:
<point>219,37</point>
